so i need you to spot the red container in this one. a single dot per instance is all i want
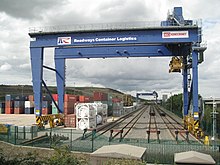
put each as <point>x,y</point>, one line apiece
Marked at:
<point>68,97</point>
<point>46,111</point>
<point>18,110</point>
<point>85,99</point>
<point>9,110</point>
<point>55,97</point>
<point>70,120</point>
<point>99,96</point>
<point>115,100</point>
<point>31,98</point>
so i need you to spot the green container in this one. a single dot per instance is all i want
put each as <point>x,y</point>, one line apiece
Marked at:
<point>2,111</point>
<point>54,108</point>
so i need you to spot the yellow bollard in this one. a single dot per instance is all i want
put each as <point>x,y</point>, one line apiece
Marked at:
<point>206,141</point>
<point>113,118</point>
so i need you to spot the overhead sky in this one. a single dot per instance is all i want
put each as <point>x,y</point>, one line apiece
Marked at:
<point>127,75</point>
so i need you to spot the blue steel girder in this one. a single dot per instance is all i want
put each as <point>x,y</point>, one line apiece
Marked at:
<point>112,51</point>
<point>163,35</point>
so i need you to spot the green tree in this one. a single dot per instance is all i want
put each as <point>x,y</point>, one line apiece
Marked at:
<point>175,104</point>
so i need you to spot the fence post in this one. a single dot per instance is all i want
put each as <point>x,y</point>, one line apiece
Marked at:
<point>8,133</point>
<point>16,129</point>
<point>50,136</point>
<point>71,139</point>
<point>93,135</point>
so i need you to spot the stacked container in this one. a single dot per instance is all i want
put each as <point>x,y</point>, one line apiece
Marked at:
<point>54,108</point>
<point>19,107</point>
<point>70,120</point>
<point>9,104</point>
<point>29,107</point>
<point>89,115</point>
<point>69,102</point>
<point>99,96</point>
<point>46,107</point>
<point>31,97</point>
<point>85,99</point>
<point>2,108</point>
<point>85,116</point>
<point>117,109</point>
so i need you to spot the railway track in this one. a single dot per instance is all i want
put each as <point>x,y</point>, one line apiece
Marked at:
<point>149,122</point>
<point>110,126</point>
<point>174,129</point>
<point>152,126</point>
<point>126,128</point>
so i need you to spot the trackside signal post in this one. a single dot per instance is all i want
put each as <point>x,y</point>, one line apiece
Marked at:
<point>174,37</point>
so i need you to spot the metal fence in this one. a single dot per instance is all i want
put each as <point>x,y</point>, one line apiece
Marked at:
<point>75,140</point>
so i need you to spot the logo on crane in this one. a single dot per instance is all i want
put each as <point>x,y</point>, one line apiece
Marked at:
<point>175,34</point>
<point>63,40</point>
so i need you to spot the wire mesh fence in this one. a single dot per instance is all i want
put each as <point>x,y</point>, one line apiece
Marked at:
<point>75,140</point>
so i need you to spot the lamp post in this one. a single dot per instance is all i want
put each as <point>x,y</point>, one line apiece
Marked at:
<point>214,113</point>
<point>171,102</point>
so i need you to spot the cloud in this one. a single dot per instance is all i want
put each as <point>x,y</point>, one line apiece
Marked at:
<point>27,9</point>
<point>129,75</point>
<point>5,67</point>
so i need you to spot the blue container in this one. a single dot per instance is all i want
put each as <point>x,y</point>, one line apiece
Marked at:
<point>8,98</point>
<point>29,110</point>
<point>18,104</point>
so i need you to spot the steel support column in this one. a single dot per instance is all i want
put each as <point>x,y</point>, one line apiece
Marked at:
<point>37,74</point>
<point>60,77</point>
<point>185,87</point>
<point>195,84</point>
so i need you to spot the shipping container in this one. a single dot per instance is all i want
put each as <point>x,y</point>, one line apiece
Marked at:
<point>85,99</point>
<point>19,104</point>
<point>99,96</point>
<point>69,107</point>
<point>70,120</point>
<point>85,123</point>
<point>9,98</point>
<point>46,107</point>
<point>19,110</point>
<point>115,100</point>
<point>46,111</point>
<point>30,98</point>
<point>55,97</point>
<point>29,110</point>
<point>118,113</point>
<point>68,97</point>
<point>2,108</point>
<point>29,104</point>
<point>54,108</point>
<point>9,107</point>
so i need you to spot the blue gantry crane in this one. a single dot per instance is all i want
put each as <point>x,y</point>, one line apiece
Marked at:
<point>175,37</point>
<point>154,94</point>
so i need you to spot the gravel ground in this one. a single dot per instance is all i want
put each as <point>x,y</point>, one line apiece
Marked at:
<point>18,119</point>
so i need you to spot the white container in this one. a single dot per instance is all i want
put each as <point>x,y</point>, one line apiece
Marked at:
<point>85,110</point>
<point>86,123</point>
<point>28,104</point>
<point>99,119</point>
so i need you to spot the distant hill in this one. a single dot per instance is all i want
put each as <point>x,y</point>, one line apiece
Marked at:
<point>19,90</point>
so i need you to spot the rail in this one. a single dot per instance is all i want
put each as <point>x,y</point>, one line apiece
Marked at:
<point>173,129</point>
<point>107,127</point>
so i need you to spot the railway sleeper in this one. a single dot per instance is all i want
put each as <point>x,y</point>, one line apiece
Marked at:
<point>91,131</point>
<point>181,133</point>
<point>157,131</point>
<point>118,131</point>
